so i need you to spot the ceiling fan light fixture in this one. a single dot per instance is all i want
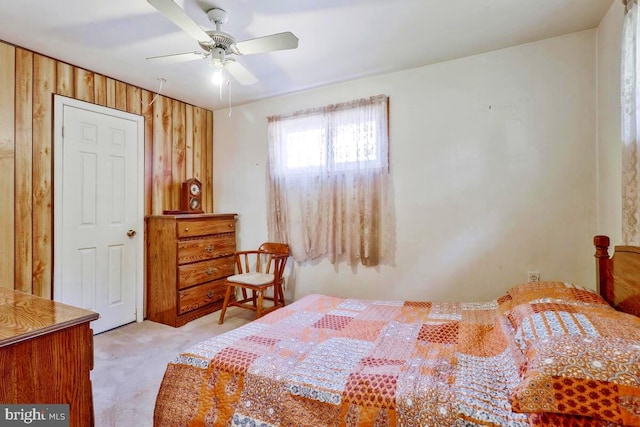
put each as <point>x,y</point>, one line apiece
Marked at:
<point>217,78</point>
<point>217,61</point>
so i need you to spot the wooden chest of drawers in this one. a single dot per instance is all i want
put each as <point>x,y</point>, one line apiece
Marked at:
<point>188,258</point>
<point>46,354</point>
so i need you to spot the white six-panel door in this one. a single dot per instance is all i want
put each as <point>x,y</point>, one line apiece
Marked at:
<point>98,213</point>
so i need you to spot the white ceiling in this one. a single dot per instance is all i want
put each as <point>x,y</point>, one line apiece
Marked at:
<point>339,39</point>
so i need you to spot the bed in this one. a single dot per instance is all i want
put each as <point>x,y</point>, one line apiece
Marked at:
<point>543,354</point>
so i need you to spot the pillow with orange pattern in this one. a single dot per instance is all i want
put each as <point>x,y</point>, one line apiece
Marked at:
<point>540,320</point>
<point>549,419</point>
<point>590,376</point>
<point>553,292</point>
<point>545,309</point>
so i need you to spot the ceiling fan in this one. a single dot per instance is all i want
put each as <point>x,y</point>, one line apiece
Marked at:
<point>217,45</point>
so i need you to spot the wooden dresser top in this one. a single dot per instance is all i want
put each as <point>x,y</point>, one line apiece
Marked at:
<point>24,316</point>
<point>194,216</point>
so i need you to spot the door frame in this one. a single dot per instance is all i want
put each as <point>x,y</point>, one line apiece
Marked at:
<point>59,102</point>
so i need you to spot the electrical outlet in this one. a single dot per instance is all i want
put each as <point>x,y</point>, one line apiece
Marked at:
<point>533,276</point>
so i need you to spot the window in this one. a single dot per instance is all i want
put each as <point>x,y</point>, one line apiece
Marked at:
<point>328,182</point>
<point>308,146</point>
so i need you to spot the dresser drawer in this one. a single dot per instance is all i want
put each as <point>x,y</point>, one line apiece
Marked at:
<point>198,296</point>
<point>203,227</point>
<point>194,250</point>
<point>205,271</point>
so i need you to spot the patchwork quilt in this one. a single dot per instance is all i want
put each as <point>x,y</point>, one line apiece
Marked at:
<point>328,361</point>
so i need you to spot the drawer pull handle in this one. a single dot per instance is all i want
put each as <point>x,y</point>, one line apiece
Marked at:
<point>209,271</point>
<point>210,294</point>
<point>209,248</point>
<point>186,229</point>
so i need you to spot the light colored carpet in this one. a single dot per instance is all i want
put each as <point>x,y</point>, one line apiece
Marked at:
<point>130,362</point>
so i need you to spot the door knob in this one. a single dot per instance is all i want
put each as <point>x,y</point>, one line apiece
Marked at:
<point>131,233</point>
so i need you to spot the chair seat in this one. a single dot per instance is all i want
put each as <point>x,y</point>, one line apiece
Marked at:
<point>253,278</point>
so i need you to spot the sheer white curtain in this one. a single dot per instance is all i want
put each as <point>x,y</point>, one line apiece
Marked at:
<point>630,126</point>
<point>329,183</point>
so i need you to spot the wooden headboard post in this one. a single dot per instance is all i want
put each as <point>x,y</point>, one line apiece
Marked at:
<point>604,268</point>
<point>618,275</point>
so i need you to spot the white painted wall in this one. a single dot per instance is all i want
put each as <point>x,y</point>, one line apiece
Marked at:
<point>492,159</point>
<point>609,140</point>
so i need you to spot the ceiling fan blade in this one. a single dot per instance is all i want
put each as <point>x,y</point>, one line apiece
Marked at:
<point>176,14</point>
<point>241,74</point>
<point>177,57</point>
<point>280,41</point>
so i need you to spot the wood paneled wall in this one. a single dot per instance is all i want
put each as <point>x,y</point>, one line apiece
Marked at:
<point>178,145</point>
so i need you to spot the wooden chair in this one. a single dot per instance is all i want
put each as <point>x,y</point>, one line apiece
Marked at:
<point>257,271</point>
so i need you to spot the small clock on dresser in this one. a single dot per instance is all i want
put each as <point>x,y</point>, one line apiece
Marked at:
<point>191,196</point>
